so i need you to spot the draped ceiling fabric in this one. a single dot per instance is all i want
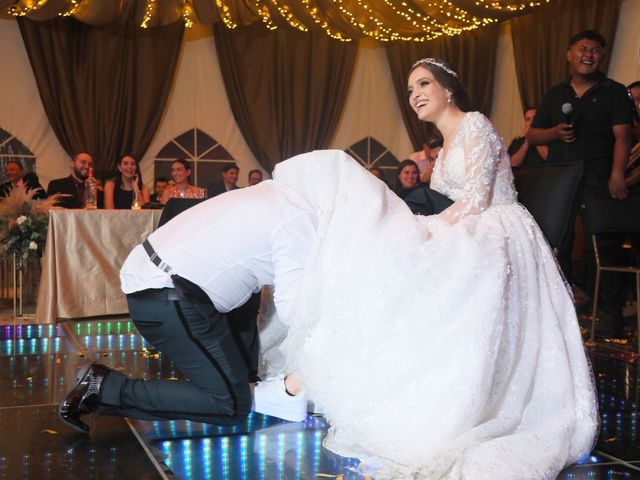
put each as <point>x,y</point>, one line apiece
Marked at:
<point>541,39</point>
<point>346,20</point>
<point>286,88</point>
<point>472,53</point>
<point>103,89</point>
<point>286,65</point>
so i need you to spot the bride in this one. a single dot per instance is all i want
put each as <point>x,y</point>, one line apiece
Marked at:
<point>442,347</point>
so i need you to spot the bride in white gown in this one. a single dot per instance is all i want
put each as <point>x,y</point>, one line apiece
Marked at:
<point>442,347</point>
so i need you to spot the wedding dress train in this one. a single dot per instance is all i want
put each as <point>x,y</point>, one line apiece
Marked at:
<point>442,347</point>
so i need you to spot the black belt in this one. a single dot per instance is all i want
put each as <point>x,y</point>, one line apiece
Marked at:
<point>161,294</point>
<point>155,259</point>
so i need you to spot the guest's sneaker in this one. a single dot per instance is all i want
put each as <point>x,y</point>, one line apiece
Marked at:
<point>271,398</point>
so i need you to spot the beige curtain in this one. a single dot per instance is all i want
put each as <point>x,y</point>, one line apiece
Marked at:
<point>473,53</point>
<point>103,89</point>
<point>286,88</point>
<point>540,40</point>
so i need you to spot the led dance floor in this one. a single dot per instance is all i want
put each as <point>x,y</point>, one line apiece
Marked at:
<point>38,364</point>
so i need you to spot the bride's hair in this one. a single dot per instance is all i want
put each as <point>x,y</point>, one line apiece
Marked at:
<point>446,75</point>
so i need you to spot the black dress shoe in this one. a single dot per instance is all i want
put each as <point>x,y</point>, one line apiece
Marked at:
<point>84,398</point>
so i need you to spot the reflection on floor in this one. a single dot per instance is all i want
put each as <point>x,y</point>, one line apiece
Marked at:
<point>38,364</point>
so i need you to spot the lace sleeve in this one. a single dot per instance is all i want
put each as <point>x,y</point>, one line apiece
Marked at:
<point>480,152</point>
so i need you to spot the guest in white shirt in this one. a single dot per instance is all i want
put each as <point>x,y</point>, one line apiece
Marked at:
<point>181,285</point>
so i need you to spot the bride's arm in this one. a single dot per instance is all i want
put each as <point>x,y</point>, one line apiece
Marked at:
<point>482,147</point>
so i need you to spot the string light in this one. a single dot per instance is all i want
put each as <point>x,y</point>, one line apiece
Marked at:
<point>72,10</point>
<point>148,13</point>
<point>23,10</point>
<point>186,15</point>
<point>382,20</point>
<point>290,18</point>
<point>508,6</point>
<point>225,14</point>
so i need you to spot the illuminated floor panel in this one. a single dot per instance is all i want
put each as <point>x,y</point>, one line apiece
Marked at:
<point>38,365</point>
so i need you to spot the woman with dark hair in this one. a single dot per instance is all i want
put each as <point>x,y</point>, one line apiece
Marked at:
<point>456,354</point>
<point>120,192</point>
<point>407,178</point>
<point>180,173</point>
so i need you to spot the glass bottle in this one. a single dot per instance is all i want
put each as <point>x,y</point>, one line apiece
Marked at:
<point>90,192</point>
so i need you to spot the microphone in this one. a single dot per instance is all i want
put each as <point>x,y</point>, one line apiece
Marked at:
<point>567,111</point>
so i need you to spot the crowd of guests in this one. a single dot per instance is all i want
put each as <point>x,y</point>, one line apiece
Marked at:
<point>126,188</point>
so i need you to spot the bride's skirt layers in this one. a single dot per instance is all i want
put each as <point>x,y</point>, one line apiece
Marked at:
<point>447,351</point>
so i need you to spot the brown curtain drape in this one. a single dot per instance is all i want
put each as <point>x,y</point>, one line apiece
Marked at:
<point>103,89</point>
<point>472,53</point>
<point>541,38</point>
<point>286,88</point>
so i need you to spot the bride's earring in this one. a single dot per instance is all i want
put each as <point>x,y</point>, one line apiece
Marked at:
<point>449,97</point>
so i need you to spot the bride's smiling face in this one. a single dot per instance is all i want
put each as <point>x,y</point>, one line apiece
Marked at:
<point>427,96</point>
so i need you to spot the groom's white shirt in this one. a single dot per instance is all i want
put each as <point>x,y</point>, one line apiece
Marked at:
<point>231,246</point>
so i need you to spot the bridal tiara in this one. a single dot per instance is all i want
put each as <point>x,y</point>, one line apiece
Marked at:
<point>437,63</point>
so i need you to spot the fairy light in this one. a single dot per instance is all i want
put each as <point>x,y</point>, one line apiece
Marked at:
<point>265,15</point>
<point>313,13</point>
<point>186,15</point>
<point>72,10</point>
<point>148,13</point>
<point>384,21</point>
<point>225,14</point>
<point>509,6</point>
<point>286,13</point>
<point>23,10</point>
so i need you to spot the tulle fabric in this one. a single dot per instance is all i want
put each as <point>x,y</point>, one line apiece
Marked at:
<point>442,347</point>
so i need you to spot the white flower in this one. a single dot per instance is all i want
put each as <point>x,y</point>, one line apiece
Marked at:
<point>21,219</point>
<point>33,245</point>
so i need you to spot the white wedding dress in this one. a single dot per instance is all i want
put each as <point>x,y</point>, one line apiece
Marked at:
<point>442,347</point>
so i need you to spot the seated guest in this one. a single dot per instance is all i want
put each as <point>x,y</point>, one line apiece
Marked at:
<point>119,192</point>
<point>521,152</point>
<point>254,177</point>
<point>14,171</point>
<point>180,173</point>
<point>377,172</point>
<point>407,178</point>
<point>73,185</point>
<point>229,179</point>
<point>158,187</point>
<point>426,157</point>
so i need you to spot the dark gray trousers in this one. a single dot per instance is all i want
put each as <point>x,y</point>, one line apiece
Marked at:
<point>217,355</point>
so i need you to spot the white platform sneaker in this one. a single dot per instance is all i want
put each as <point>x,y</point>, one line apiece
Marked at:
<point>271,398</point>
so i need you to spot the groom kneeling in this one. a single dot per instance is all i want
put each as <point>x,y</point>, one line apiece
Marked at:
<point>189,288</point>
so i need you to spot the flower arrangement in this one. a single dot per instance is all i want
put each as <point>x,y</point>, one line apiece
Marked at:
<point>23,224</point>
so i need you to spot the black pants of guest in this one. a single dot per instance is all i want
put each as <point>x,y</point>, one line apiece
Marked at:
<point>217,355</point>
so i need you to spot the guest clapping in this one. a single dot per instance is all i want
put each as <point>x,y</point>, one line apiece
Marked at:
<point>180,173</point>
<point>126,186</point>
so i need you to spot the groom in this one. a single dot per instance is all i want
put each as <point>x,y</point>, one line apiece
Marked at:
<point>186,286</point>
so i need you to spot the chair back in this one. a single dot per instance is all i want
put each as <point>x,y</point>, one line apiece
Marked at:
<point>604,214</point>
<point>176,206</point>
<point>549,192</point>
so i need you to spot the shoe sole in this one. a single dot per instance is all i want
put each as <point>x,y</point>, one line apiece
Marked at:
<point>282,413</point>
